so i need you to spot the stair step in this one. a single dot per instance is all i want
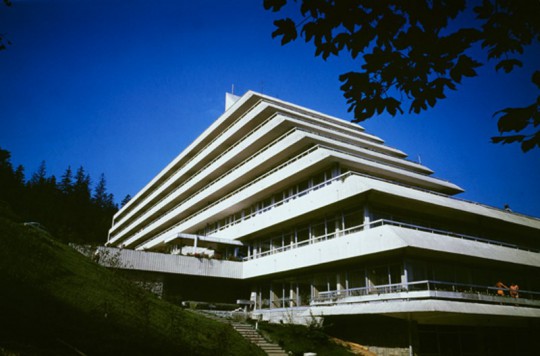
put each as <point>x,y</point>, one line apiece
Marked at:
<point>248,332</point>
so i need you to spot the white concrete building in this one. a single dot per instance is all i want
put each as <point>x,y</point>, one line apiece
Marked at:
<point>309,215</point>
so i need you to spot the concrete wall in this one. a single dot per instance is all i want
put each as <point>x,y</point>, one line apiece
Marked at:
<point>166,263</point>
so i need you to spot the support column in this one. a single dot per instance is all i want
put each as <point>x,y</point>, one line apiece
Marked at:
<point>274,298</point>
<point>367,216</point>
<point>293,295</point>
<point>339,283</point>
<point>406,273</point>
<point>253,297</point>
<point>409,330</point>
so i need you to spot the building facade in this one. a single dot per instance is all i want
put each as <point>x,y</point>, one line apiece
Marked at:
<point>308,216</point>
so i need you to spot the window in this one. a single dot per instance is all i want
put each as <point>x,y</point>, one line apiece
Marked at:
<point>318,179</point>
<point>353,219</point>
<point>318,230</point>
<point>302,234</point>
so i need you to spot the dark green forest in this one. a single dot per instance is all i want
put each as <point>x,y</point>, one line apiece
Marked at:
<point>70,207</point>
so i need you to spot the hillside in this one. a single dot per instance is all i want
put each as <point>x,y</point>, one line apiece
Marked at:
<point>54,301</point>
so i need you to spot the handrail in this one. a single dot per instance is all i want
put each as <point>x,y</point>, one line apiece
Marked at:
<point>281,202</point>
<point>369,140</point>
<point>235,168</point>
<point>249,158</point>
<point>343,176</point>
<point>245,186</point>
<point>386,164</point>
<point>381,222</point>
<point>425,285</point>
<point>295,112</point>
<point>198,173</point>
<point>200,151</point>
<point>458,235</point>
<point>255,155</point>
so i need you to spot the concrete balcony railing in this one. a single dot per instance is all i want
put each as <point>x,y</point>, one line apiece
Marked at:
<point>383,222</point>
<point>200,152</point>
<point>281,143</point>
<point>177,175</point>
<point>198,265</point>
<point>199,196</point>
<point>427,289</point>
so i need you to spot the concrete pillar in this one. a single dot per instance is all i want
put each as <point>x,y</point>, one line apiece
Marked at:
<point>340,283</point>
<point>274,298</point>
<point>367,216</point>
<point>409,334</point>
<point>253,297</point>
<point>406,273</point>
<point>293,295</point>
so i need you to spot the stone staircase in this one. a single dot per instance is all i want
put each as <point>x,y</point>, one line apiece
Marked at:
<point>249,333</point>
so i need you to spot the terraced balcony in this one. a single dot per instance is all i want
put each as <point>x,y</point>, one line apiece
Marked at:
<point>428,289</point>
<point>386,222</point>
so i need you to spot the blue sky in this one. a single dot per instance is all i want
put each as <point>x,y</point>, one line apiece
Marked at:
<point>122,87</point>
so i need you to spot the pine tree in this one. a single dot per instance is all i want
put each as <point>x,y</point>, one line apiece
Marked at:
<point>39,177</point>
<point>66,183</point>
<point>100,192</point>
<point>126,200</point>
<point>19,174</point>
<point>11,185</point>
<point>82,184</point>
<point>65,207</point>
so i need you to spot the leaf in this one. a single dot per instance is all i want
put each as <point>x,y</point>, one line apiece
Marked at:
<point>285,28</point>
<point>441,82</point>
<point>468,65</point>
<point>309,30</point>
<point>508,65</point>
<point>455,74</point>
<point>536,78</point>
<point>341,40</point>
<point>528,145</point>
<point>485,10</point>
<point>314,7</point>
<point>507,139</point>
<point>418,105</point>
<point>514,119</point>
<point>361,39</point>
<point>275,5</point>
<point>328,48</point>
<point>392,105</point>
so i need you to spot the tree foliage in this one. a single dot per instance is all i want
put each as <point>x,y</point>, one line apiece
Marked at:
<point>66,208</point>
<point>126,200</point>
<point>4,42</point>
<point>413,52</point>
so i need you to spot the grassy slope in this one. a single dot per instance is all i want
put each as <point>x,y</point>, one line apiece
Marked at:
<point>54,301</point>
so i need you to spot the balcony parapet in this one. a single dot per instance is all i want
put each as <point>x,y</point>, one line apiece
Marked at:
<point>383,222</point>
<point>197,265</point>
<point>427,289</point>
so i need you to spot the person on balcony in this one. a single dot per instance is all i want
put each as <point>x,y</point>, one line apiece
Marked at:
<point>514,290</point>
<point>501,287</point>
